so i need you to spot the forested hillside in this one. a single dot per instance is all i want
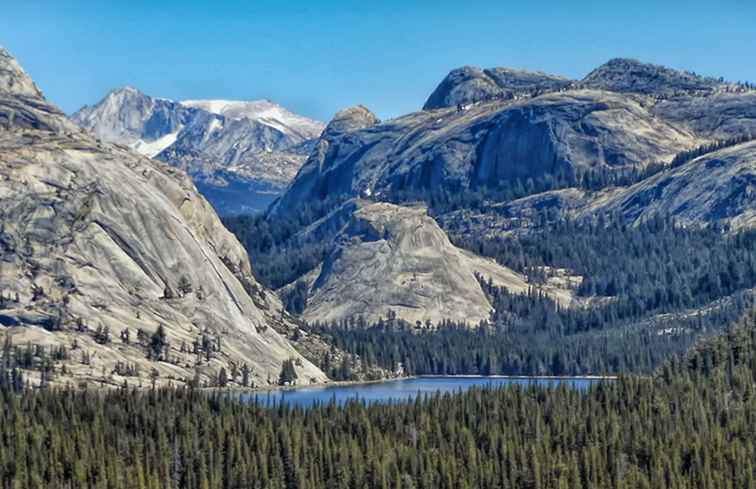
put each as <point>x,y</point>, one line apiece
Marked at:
<point>648,292</point>
<point>690,427</point>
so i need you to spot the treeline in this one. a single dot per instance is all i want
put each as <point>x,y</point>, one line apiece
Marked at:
<point>686,156</point>
<point>692,427</point>
<point>529,335</point>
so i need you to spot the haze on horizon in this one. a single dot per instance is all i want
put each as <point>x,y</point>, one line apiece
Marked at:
<point>317,58</point>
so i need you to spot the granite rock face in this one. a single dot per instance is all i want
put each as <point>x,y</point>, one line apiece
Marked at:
<point>388,259</point>
<point>718,188</point>
<point>566,133</point>
<point>494,128</point>
<point>221,144</point>
<point>717,117</point>
<point>573,132</point>
<point>393,258</point>
<point>96,237</point>
<point>21,102</point>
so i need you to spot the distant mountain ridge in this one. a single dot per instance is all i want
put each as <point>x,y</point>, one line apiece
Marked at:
<point>503,127</point>
<point>228,147</point>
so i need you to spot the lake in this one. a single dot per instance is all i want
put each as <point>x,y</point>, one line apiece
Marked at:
<point>400,390</point>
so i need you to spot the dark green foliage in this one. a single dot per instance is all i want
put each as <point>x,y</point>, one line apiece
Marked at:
<point>158,343</point>
<point>279,257</point>
<point>538,341</point>
<point>686,156</point>
<point>656,267</point>
<point>288,373</point>
<point>295,299</point>
<point>692,427</point>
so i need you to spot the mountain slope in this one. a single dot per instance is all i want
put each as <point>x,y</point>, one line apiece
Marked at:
<point>393,260</point>
<point>515,163</point>
<point>96,240</point>
<point>230,148</point>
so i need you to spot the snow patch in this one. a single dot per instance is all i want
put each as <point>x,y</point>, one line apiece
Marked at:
<point>215,125</point>
<point>154,148</point>
<point>262,111</point>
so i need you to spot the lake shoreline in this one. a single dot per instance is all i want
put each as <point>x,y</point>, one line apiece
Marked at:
<point>347,383</point>
<point>404,389</point>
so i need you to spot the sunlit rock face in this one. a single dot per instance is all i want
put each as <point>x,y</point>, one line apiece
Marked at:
<point>96,237</point>
<point>389,260</point>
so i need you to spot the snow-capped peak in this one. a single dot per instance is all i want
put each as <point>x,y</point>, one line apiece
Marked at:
<point>263,111</point>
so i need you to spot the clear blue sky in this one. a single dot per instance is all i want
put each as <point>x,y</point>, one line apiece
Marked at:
<point>317,57</point>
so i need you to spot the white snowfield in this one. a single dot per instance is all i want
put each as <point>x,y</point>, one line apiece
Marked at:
<point>153,148</point>
<point>263,111</point>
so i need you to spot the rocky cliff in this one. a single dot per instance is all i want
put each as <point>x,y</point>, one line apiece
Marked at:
<point>716,188</point>
<point>100,248</point>
<point>545,132</point>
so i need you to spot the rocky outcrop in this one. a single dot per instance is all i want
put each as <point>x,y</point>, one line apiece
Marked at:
<point>13,79</point>
<point>348,120</point>
<point>572,133</point>
<point>471,84</point>
<point>22,104</point>
<point>97,241</point>
<point>230,148</point>
<point>390,259</point>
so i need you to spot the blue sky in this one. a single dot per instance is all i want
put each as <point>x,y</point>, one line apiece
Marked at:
<point>318,57</point>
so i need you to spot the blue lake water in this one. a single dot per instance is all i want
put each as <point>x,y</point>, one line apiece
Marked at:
<point>399,390</point>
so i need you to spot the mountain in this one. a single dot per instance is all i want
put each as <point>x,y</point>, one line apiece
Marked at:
<point>240,154</point>
<point>389,260</point>
<point>621,121</point>
<point>558,135</point>
<point>716,188</point>
<point>115,264</point>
